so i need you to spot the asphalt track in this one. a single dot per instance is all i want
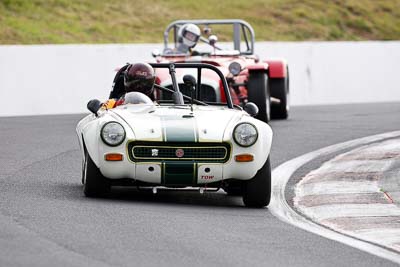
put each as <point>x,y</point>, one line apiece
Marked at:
<point>46,221</point>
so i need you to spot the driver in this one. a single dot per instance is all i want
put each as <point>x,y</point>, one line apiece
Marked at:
<point>188,36</point>
<point>138,77</point>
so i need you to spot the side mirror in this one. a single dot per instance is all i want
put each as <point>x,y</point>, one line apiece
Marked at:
<point>155,53</point>
<point>251,108</point>
<point>94,105</point>
<point>190,81</point>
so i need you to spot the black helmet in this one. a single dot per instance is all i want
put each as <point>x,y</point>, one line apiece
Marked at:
<point>139,77</point>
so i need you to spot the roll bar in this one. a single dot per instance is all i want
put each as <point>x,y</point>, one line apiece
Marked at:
<point>199,66</point>
<point>238,27</point>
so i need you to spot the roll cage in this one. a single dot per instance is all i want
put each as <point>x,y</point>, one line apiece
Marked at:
<point>240,29</point>
<point>118,89</point>
<point>199,66</point>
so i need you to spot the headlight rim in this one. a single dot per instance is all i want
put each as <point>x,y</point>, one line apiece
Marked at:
<point>104,141</point>
<point>231,66</point>
<point>237,142</point>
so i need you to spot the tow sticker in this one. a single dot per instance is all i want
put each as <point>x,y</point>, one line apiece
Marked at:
<point>207,177</point>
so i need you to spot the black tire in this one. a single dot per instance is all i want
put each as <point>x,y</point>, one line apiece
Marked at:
<point>95,184</point>
<point>83,171</point>
<point>258,92</point>
<point>257,191</point>
<point>280,90</point>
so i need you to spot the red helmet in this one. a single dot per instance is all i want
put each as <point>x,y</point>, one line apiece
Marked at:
<point>139,77</point>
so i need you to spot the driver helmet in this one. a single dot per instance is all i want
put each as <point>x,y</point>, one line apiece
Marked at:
<point>139,77</point>
<point>189,34</point>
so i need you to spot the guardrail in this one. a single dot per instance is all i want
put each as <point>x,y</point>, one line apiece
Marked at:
<point>60,79</point>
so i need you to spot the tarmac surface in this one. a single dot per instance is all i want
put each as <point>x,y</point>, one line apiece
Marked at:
<point>46,221</point>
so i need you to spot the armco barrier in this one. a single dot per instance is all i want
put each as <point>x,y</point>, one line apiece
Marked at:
<point>60,79</point>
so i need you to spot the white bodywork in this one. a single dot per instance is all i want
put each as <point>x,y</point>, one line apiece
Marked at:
<point>211,124</point>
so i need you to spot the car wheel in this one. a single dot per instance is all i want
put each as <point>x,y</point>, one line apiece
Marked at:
<point>280,90</point>
<point>257,191</point>
<point>95,184</point>
<point>83,170</point>
<point>258,92</point>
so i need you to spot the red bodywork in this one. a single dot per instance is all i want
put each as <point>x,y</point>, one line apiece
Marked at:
<point>277,68</point>
<point>274,69</point>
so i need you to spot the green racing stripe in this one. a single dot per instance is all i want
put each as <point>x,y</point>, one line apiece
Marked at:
<point>179,129</point>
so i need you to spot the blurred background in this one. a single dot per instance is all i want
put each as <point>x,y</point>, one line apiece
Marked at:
<point>66,51</point>
<point>141,21</point>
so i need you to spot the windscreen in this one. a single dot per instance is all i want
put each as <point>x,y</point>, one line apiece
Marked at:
<point>209,90</point>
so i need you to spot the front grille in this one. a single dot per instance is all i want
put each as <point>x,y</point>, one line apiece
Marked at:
<point>160,151</point>
<point>140,152</point>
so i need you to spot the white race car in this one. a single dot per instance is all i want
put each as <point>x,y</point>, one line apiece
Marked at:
<point>178,143</point>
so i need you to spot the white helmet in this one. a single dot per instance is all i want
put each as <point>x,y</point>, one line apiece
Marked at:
<point>189,34</point>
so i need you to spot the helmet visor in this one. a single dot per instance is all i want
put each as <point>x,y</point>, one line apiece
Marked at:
<point>190,36</point>
<point>140,85</point>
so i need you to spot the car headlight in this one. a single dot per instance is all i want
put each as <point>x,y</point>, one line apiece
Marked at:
<point>112,133</point>
<point>235,68</point>
<point>245,134</point>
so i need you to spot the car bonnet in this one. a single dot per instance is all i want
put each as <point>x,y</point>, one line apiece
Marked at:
<point>178,123</point>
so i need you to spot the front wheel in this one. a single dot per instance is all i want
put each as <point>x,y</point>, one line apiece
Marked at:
<point>258,92</point>
<point>257,191</point>
<point>95,184</point>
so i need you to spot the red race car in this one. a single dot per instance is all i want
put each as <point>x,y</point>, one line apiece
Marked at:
<point>263,82</point>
